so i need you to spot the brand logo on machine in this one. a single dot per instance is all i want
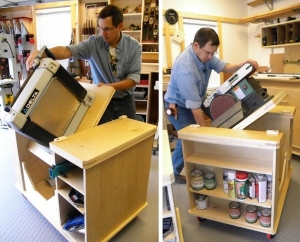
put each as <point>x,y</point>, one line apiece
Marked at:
<point>30,101</point>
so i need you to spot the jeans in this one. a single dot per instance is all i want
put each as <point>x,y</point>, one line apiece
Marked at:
<point>185,118</point>
<point>118,107</point>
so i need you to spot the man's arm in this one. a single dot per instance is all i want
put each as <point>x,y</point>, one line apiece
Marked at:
<point>199,116</point>
<point>121,85</point>
<point>60,53</point>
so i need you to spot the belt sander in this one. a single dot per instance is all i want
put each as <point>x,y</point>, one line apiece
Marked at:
<point>50,104</point>
<point>235,99</point>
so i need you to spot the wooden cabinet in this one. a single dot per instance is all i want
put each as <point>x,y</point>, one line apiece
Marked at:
<point>109,172</point>
<point>111,165</point>
<point>292,88</point>
<point>281,34</point>
<point>212,150</point>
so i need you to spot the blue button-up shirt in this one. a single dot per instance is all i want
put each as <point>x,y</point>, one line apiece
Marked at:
<point>96,51</point>
<point>189,79</point>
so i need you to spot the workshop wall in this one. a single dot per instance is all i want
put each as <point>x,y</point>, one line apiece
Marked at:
<point>234,36</point>
<point>238,40</point>
<point>262,55</point>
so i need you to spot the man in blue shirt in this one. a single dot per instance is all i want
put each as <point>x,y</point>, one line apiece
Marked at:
<point>188,85</point>
<point>115,60</point>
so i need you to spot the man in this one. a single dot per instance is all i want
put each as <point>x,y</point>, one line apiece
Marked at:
<point>188,84</point>
<point>114,58</point>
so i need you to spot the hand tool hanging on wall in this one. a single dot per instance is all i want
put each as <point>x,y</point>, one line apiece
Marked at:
<point>74,67</point>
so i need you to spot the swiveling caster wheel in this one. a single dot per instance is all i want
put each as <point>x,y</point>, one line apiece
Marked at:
<point>270,236</point>
<point>200,219</point>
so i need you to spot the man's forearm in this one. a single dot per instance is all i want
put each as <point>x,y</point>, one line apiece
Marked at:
<point>60,52</point>
<point>121,85</point>
<point>199,117</point>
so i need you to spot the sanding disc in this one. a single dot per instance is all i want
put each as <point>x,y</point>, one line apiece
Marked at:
<point>220,104</point>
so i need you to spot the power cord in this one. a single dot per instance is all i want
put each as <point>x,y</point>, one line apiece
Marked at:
<point>5,40</point>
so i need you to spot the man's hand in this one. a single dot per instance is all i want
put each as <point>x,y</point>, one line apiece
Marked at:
<point>30,59</point>
<point>253,63</point>
<point>174,107</point>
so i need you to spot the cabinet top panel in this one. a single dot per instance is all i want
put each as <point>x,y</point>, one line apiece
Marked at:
<point>92,146</point>
<point>222,136</point>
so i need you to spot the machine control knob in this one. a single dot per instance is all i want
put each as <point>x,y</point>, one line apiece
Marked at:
<point>7,109</point>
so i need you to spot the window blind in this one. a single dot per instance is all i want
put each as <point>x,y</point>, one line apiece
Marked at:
<point>54,28</point>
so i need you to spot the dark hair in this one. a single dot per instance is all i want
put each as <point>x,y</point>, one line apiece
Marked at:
<point>205,35</point>
<point>112,11</point>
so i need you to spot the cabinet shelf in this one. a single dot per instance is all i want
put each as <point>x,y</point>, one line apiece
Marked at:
<point>272,15</point>
<point>221,214</point>
<point>258,2</point>
<point>281,34</point>
<point>74,179</point>
<point>218,192</point>
<point>235,163</point>
<point>64,192</point>
<point>132,14</point>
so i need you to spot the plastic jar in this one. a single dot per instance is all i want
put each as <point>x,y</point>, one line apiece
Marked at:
<point>231,183</point>
<point>197,180</point>
<point>201,201</point>
<point>234,210</point>
<point>265,217</point>
<point>251,214</point>
<point>210,181</point>
<point>241,185</point>
<point>225,180</point>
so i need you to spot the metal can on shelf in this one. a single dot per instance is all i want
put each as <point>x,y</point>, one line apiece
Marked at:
<point>251,214</point>
<point>265,217</point>
<point>225,180</point>
<point>241,185</point>
<point>234,210</point>
<point>251,187</point>
<point>197,180</point>
<point>201,201</point>
<point>231,183</point>
<point>269,186</point>
<point>210,181</point>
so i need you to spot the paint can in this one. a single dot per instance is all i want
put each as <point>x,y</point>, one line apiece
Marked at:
<point>234,210</point>
<point>265,217</point>
<point>251,214</point>
<point>201,201</point>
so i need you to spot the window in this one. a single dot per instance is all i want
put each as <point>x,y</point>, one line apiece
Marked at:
<point>53,28</point>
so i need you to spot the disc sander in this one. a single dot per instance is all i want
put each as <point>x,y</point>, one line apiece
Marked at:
<point>220,104</point>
